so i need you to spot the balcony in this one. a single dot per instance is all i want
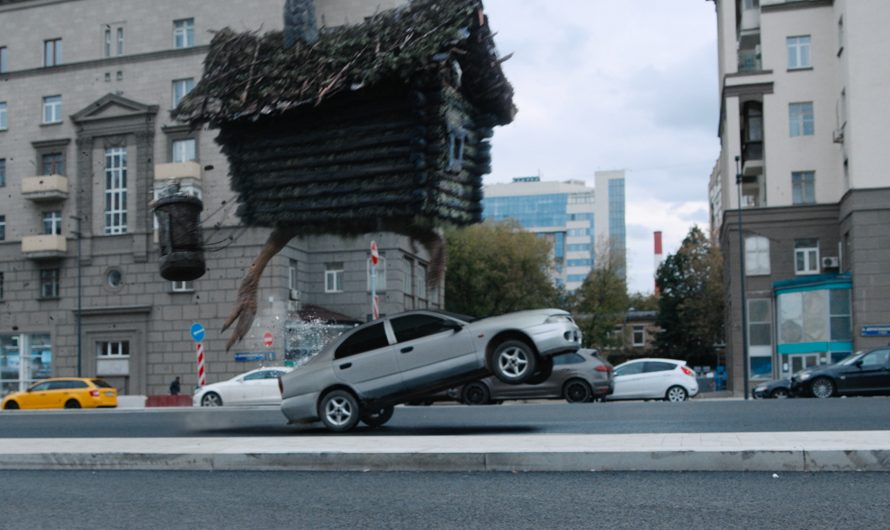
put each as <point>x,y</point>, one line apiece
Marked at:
<point>752,159</point>
<point>47,246</point>
<point>179,170</point>
<point>749,61</point>
<point>45,188</point>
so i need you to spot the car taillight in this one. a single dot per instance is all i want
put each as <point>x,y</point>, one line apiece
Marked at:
<point>602,368</point>
<point>94,393</point>
<point>687,371</point>
<point>280,387</point>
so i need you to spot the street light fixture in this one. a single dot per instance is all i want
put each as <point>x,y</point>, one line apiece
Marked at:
<point>744,303</point>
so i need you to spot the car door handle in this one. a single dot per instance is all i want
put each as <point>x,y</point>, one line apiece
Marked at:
<point>345,366</point>
<point>407,349</point>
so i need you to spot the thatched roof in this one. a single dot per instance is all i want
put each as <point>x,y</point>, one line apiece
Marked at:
<point>248,76</point>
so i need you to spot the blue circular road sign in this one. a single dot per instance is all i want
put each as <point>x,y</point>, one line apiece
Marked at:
<point>197,332</point>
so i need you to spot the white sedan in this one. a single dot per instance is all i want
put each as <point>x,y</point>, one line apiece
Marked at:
<point>667,379</point>
<point>256,387</point>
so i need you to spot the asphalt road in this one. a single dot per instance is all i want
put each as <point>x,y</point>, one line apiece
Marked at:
<point>841,414</point>
<point>220,500</point>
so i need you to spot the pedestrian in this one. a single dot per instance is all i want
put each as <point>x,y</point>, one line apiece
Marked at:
<point>174,387</point>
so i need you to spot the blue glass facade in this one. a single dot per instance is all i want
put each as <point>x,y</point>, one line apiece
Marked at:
<point>617,231</point>
<point>532,211</point>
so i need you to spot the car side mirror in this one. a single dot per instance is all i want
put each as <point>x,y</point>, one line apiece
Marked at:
<point>455,327</point>
<point>858,363</point>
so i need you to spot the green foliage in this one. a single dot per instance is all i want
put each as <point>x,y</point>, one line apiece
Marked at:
<point>643,302</point>
<point>602,302</point>
<point>691,310</point>
<point>496,268</point>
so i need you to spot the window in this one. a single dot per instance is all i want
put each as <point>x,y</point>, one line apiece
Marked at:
<point>114,41</point>
<point>369,338</point>
<point>52,222</point>
<point>416,326</point>
<point>756,256</point>
<point>3,125</point>
<point>116,190</point>
<point>333,278</point>
<point>113,349</point>
<point>798,52</point>
<point>813,316</point>
<point>806,256</point>
<point>114,278</point>
<point>49,283</point>
<point>800,117</point>
<point>456,140</point>
<point>760,327</point>
<point>2,227</point>
<point>107,41</point>
<point>658,366</point>
<point>52,52</point>
<point>120,41</point>
<point>629,369</point>
<point>840,323</point>
<point>292,274</point>
<point>185,286</point>
<point>639,335</point>
<point>803,187</point>
<point>2,172</point>
<point>421,281</point>
<point>183,150</point>
<point>52,109</point>
<point>184,33</point>
<point>181,87</point>
<point>4,59</point>
<point>409,277</point>
<point>52,164</point>
<point>567,358</point>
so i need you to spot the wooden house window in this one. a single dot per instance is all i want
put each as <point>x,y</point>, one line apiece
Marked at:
<point>456,139</point>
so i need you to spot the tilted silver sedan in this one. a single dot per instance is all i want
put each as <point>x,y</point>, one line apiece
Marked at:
<point>365,372</point>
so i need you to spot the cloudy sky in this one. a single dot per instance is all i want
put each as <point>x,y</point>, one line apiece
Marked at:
<point>615,84</point>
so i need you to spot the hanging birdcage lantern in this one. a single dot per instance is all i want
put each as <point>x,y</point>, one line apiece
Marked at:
<point>179,237</point>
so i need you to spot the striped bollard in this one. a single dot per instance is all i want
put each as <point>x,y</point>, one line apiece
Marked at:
<point>200,349</point>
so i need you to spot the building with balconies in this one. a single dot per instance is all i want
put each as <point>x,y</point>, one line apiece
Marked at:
<point>801,184</point>
<point>87,142</point>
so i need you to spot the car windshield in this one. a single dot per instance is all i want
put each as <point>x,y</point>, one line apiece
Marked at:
<point>846,361</point>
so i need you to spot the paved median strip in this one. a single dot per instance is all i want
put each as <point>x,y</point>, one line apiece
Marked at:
<point>764,451</point>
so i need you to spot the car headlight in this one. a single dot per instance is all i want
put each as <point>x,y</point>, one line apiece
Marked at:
<point>804,376</point>
<point>558,318</point>
<point>760,388</point>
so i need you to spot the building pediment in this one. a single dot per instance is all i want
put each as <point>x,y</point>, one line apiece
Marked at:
<point>113,106</point>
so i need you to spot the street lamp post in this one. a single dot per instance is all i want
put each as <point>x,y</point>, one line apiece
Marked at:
<point>738,181</point>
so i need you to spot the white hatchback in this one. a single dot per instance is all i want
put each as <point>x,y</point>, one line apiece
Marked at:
<point>667,379</point>
<point>256,387</point>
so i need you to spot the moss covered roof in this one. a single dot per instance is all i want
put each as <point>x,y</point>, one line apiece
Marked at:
<point>248,76</point>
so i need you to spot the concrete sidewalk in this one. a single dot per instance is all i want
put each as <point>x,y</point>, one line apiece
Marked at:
<point>765,451</point>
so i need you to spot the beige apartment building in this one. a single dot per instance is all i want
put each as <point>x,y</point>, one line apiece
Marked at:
<point>86,143</point>
<point>804,131</point>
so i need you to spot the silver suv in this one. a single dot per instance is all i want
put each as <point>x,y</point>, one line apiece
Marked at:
<point>365,372</point>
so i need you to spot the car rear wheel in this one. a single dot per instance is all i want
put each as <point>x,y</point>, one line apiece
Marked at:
<point>375,417</point>
<point>339,411</point>
<point>476,394</point>
<point>11,405</point>
<point>72,404</point>
<point>676,394</point>
<point>779,393</point>
<point>577,391</point>
<point>211,399</point>
<point>822,387</point>
<point>513,362</point>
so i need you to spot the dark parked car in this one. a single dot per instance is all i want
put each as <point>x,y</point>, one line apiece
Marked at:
<point>862,374</point>
<point>577,377</point>
<point>778,389</point>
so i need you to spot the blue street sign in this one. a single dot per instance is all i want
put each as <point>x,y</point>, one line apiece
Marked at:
<point>876,331</point>
<point>255,356</point>
<point>197,332</point>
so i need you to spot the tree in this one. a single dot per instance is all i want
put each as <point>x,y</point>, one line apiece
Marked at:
<point>496,268</point>
<point>643,302</point>
<point>601,302</point>
<point>690,309</point>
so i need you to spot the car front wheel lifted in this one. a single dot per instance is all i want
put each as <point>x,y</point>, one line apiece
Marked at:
<point>513,362</point>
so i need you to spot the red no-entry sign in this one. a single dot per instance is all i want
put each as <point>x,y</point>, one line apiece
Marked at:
<point>267,339</point>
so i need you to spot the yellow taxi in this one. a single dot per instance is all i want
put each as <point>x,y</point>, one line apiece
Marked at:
<point>63,392</point>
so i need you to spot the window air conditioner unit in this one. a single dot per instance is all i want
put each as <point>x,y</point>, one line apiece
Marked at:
<point>830,262</point>
<point>294,294</point>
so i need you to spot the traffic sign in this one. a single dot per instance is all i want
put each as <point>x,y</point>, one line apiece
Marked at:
<point>267,339</point>
<point>375,256</point>
<point>197,332</point>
